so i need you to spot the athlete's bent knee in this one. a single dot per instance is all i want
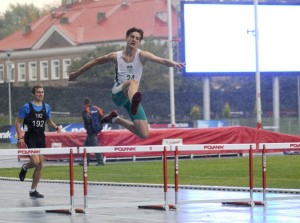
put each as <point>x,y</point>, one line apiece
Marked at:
<point>143,135</point>
<point>133,82</point>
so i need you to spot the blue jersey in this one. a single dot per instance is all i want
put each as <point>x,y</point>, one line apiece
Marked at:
<point>25,110</point>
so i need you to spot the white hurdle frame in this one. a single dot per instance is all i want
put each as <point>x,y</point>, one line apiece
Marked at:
<point>122,149</point>
<point>127,149</point>
<point>39,151</point>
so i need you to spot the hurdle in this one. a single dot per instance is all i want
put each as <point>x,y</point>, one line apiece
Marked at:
<point>72,209</point>
<point>52,151</point>
<point>216,148</point>
<point>147,148</point>
<point>264,147</point>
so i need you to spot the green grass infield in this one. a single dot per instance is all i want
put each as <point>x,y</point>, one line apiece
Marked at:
<point>282,172</point>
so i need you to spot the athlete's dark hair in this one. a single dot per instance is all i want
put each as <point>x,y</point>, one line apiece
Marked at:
<point>87,101</point>
<point>35,87</point>
<point>134,29</point>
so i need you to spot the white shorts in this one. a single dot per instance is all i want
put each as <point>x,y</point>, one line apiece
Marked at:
<point>117,88</point>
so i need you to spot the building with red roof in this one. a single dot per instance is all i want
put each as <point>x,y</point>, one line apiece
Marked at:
<point>42,51</point>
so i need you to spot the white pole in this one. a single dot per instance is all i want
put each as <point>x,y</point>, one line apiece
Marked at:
<point>9,73</point>
<point>206,98</point>
<point>9,101</point>
<point>276,104</point>
<point>257,76</point>
<point>171,70</point>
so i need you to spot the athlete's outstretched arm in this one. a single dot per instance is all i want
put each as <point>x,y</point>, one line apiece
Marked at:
<point>147,56</point>
<point>100,60</point>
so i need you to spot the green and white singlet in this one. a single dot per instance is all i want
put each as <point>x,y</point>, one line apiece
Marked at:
<point>127,71</point>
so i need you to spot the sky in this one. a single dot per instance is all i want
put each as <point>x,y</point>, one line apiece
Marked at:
<point>4,4</point>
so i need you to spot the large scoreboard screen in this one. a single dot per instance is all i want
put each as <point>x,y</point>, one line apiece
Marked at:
<point>219,39</point>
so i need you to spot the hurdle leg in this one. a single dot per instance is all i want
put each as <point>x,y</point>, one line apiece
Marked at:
<point>71,174</point>
<point>84,166</point>
<point>251,176</point>
<point>85,189</point>
<point>251,203</point>
<point>72,211</point>
<point>166,207</point>
<point>176,172</point>
<point>264,173</point>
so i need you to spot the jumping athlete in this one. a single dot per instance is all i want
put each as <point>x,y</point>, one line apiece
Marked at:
<point>34,115</point>
<point>129,68</point>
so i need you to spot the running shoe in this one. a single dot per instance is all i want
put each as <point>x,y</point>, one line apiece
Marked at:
<point>22,173</point>
<point>136,100</point>
<point>108,118</point>
<point>35,194</point>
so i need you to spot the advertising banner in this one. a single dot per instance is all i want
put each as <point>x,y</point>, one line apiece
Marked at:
<point>212,123</point>
<point>8,132</point>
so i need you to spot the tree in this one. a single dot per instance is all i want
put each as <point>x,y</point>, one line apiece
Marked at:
<point>101,75</point>
<point>16,17</point>
<point>195,112</point>
<point>226,111</point>
<point>155,76</point>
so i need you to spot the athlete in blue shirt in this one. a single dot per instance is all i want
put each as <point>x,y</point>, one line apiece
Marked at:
<point>33,116</point>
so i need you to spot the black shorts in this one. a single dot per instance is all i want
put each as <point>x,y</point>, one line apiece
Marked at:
<point>35,140</point>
